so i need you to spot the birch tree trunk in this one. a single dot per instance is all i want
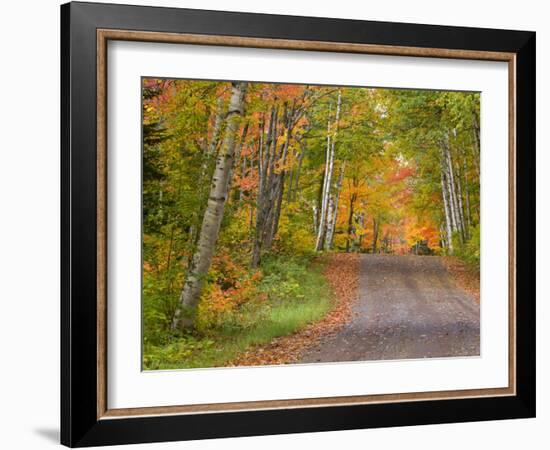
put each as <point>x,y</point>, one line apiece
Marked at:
<point>461,206</point>
<point>448,220</point>
<point>331,226</point>
<point>321,236</point>
<point>450,201</point>
<point>331,212</point>
<point>315,219</point>
<point>350,220</point>
<point>186,313</point>
<point>442,236</point>
<point>477,142</point>
<point>206,167</point>
<point>218,121</point>
<point>467,194</point>
<point>329,167</point>
<point>449,189</point>
<point>455,201</point>
<point>324,197</point>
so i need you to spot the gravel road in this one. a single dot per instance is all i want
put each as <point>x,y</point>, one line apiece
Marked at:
<point>407,307</point>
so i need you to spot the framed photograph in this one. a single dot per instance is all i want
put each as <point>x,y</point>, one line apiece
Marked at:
<point>277,224</point>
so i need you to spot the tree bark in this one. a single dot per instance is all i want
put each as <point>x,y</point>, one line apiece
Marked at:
<point>336,200</point>
<point>218,121</point>
<point>477,142</point>
<point>448,220</point>
<point>467,194</point>
<point>315,219</point>
<point>475,125</point>
<point>206,168</point>
<point>375,226</point>
<point>270,195</point>
<point>468,209</point>
<point>279,180</point>
<point>189,299</point>
<point>461,205</point>
<point>324,197</point>
<point>331,213</point>
<point>329,167</point>
<point>361,221</point>
<point>236,159</point>
<point>449,188</point>
<point>350,220</point>
<point>265,171</point>
<point>455,199</point>
<point>244,170</point>
<point>296,182</point>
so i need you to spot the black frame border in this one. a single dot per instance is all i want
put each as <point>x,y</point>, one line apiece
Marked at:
<point>79,424</point>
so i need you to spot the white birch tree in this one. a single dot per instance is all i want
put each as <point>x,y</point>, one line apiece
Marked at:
<point>185,314</point>
<point>329,168</point>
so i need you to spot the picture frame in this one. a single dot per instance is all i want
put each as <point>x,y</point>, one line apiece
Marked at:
<point>86,418</point>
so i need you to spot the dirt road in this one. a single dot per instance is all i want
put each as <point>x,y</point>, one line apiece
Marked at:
<point>407,307</point>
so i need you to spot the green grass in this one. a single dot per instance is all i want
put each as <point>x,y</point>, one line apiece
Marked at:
<point>296,294</point>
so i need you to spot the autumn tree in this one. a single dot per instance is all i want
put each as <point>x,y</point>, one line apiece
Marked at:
<point>213,215</point>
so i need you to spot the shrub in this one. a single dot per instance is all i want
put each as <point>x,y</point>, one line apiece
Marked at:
<point>469,252</point>
<point>230,285</point>
<point>158,308</point>
<point>291,293</point>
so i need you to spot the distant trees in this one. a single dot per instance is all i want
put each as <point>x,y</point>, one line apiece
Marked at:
<point>236,172</point>
<point>441,132</point>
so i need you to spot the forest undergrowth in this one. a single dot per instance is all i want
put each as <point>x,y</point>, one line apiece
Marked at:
<point>286,296</point>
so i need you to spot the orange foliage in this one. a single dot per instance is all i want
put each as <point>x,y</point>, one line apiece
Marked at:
<point>385,195</point>
<point>232,285</point>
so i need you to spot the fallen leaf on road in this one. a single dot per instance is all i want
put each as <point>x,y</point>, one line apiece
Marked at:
<point>464,277</point>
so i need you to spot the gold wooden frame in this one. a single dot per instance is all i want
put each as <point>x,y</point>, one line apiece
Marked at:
<point>104,35</point>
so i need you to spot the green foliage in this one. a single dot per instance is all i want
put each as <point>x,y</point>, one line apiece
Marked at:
<point>295,237</point>
<point>158,306</point>
<point>469,252</point>
<point>283,279</point>
<point>171,354</point>
<point>291,294</point>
